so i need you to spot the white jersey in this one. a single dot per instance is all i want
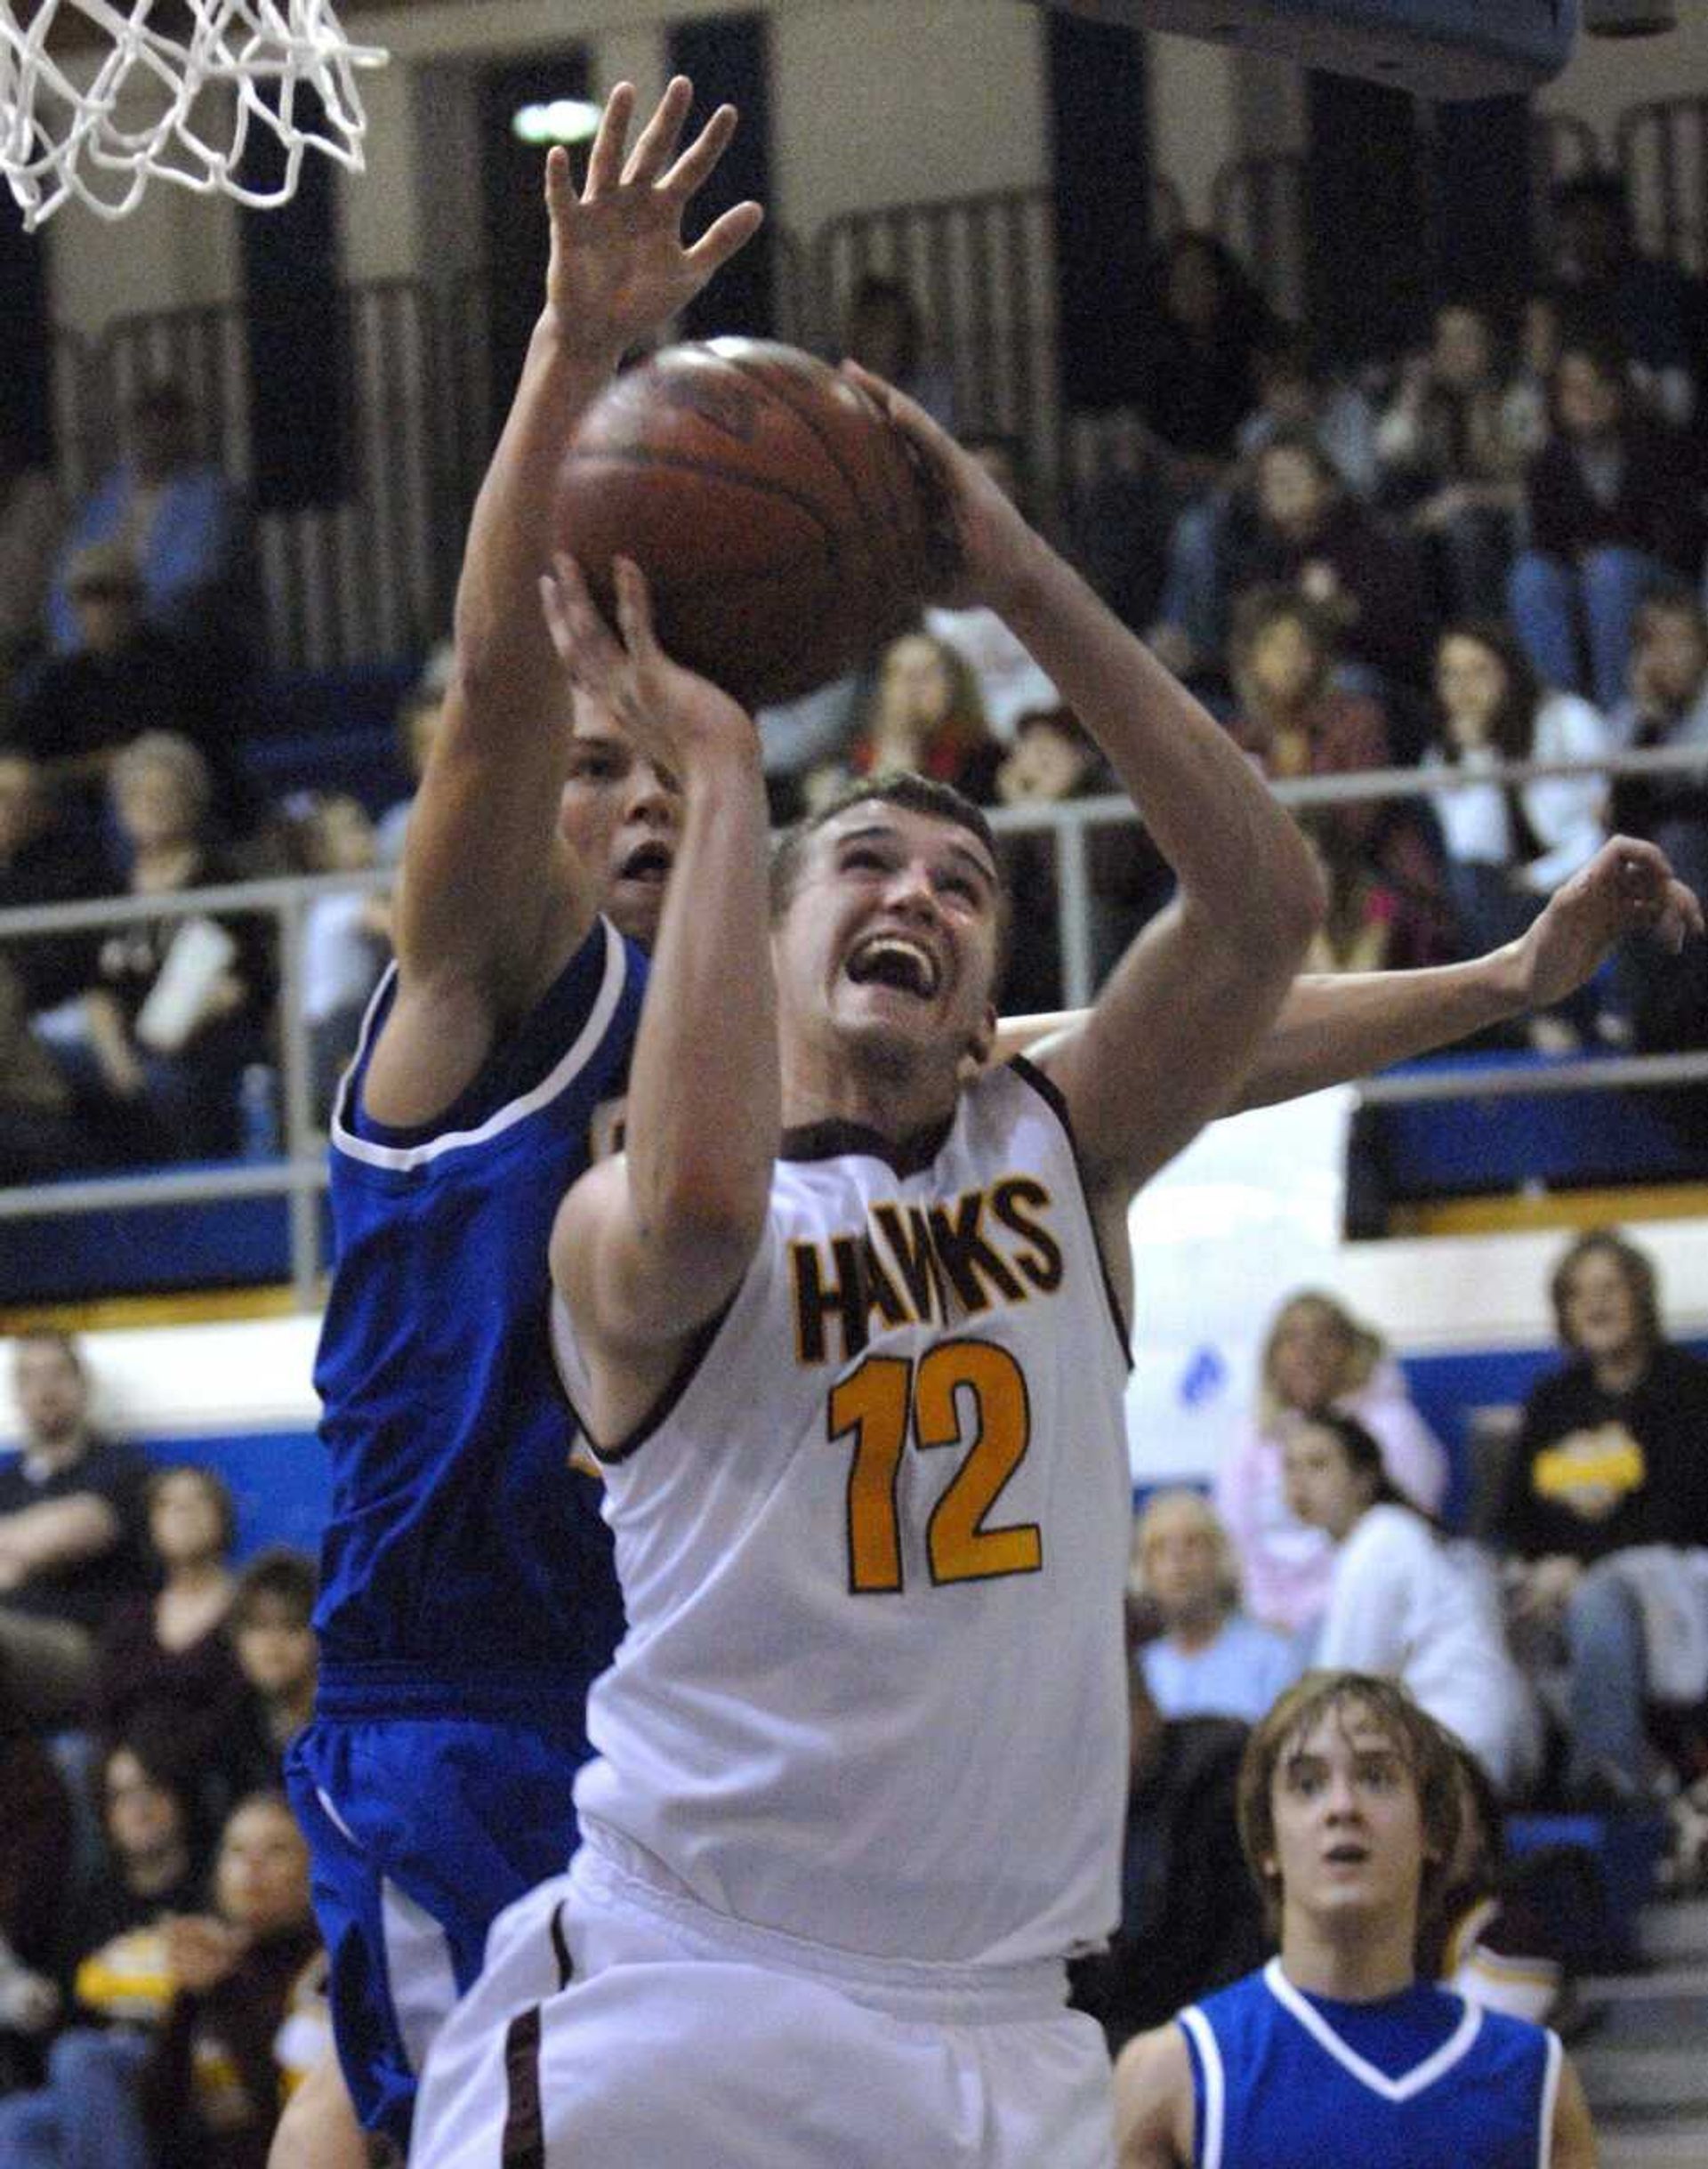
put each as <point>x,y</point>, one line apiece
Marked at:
<point>873,1550</point>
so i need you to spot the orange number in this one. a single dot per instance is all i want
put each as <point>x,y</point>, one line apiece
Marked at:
<point>876,1403</point>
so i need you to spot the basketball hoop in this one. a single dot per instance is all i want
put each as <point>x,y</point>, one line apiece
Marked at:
<point>178,88</point>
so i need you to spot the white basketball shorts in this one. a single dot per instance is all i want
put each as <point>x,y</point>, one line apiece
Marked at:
<point>622,2023</point>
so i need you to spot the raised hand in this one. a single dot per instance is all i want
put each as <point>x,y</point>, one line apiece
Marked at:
<point>1627,888</point>
<point>673,717</point>
<point>619,267</point>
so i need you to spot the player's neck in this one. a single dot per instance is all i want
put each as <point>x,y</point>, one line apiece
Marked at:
<point>1349,1961</point>
<point>867,1089</point>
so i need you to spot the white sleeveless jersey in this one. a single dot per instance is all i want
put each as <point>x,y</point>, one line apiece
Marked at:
<point>873,1691</point>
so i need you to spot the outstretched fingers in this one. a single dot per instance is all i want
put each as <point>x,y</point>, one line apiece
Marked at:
<point>605,159</point>
<point>634,612</point>
<point>661,134</point>
<point>702,155</point>
<point>723,237</point>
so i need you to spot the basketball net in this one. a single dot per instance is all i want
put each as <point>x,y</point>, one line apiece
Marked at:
<point>178,88</point>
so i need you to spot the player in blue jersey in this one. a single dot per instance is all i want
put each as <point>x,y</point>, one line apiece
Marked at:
<point>468,1595</point>
<point>1336,2052</point>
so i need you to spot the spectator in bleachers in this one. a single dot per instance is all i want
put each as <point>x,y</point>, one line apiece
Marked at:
<point>178,1006</point>
<point>1615,511</point>
<point>1190,1915</point>
<point>1293,720</point>
<point>1294,392</point>
<point>183,525</point>
<point>925,714</point>
<point>166,1660</point>
<point>1608,1481</point>
<point>1406,1604</point>
<point>272,1615</point>
<point>205,2035</point>
<point>1648,304</point>
<point>1452,458</point>
<point>1208,1659</point>
<point>30,520</point>
<point>883,331</point>
<point>1316,1357</point>
<point>1218,527</point>
<point>125,678</point>
<point>1667,706</point>
<point>1010,685</point>
<point>36,1860</point>
<point>1509,846</point>
<point>1311,535</point>
<point>70,1532</point>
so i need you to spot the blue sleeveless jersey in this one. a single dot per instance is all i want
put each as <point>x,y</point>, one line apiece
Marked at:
<point>465,1563</point>
<point>1285,2081</point>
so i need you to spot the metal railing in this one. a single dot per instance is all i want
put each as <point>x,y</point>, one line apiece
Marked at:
<point>300,1176</point>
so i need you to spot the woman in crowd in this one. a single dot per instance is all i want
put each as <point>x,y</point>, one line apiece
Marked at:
<point>926,714</point>
<point>180,1005</point>
<point>1317,1357</point>
<point>1615,511</point>
<point>1509,846</point>
<point>1405,1604</point>
<point>1209,1660</point>
<point>167,1660</point>
<point>1294,721</point>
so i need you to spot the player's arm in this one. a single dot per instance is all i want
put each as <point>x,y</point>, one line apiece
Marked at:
<point>1153,2102</point>
<point>480,926</point>
<point>649,1245</point>
<point>1342,1026</point>
<point>1176,1025</point>
<point>1572,2145</point>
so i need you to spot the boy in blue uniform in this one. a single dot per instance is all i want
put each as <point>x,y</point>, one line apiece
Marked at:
<point>1335,2051</point>
<point>468,1592</point>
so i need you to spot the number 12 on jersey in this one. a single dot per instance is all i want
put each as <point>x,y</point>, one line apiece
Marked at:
<point>889,1398</point>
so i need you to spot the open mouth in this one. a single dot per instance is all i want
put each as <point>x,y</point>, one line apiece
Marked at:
<point>1346,1856</point>
<point>892,960</point>
<point>646,862</point>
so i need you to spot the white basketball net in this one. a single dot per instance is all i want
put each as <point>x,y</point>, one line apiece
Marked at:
<point>173,87</point>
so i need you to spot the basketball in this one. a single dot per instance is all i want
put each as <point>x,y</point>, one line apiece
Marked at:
<point>786,526</point>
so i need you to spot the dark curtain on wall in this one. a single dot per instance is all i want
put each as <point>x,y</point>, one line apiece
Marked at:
<point>726,57</point>
<point>25,347</point>
<point>1480,185</point>
<point>1365,213</point>
<point>1100,155</point>
<point>517,233</point>
<point>296,329</point>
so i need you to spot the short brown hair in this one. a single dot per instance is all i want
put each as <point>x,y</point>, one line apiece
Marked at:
<point>279,1575</point>
<point>1423,1746</point>
<point>1638,1270</point>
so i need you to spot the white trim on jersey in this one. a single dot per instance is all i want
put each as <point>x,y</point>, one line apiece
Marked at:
<point>1208,2146</point>
<point>586,1044</point>
<point>1420,2076</point>
<point>1550,2099</point>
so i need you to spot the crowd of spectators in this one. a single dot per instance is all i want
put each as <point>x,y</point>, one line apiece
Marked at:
<point>1489,549</point>
<point>161,1982</point>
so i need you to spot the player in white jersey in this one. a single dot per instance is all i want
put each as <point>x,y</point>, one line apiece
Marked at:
<point>847,1333</point>
<point>1336,2052</point>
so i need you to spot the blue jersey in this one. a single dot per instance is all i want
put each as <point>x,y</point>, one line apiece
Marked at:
<point>1282,2080</point>
<point>464,1561</point>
